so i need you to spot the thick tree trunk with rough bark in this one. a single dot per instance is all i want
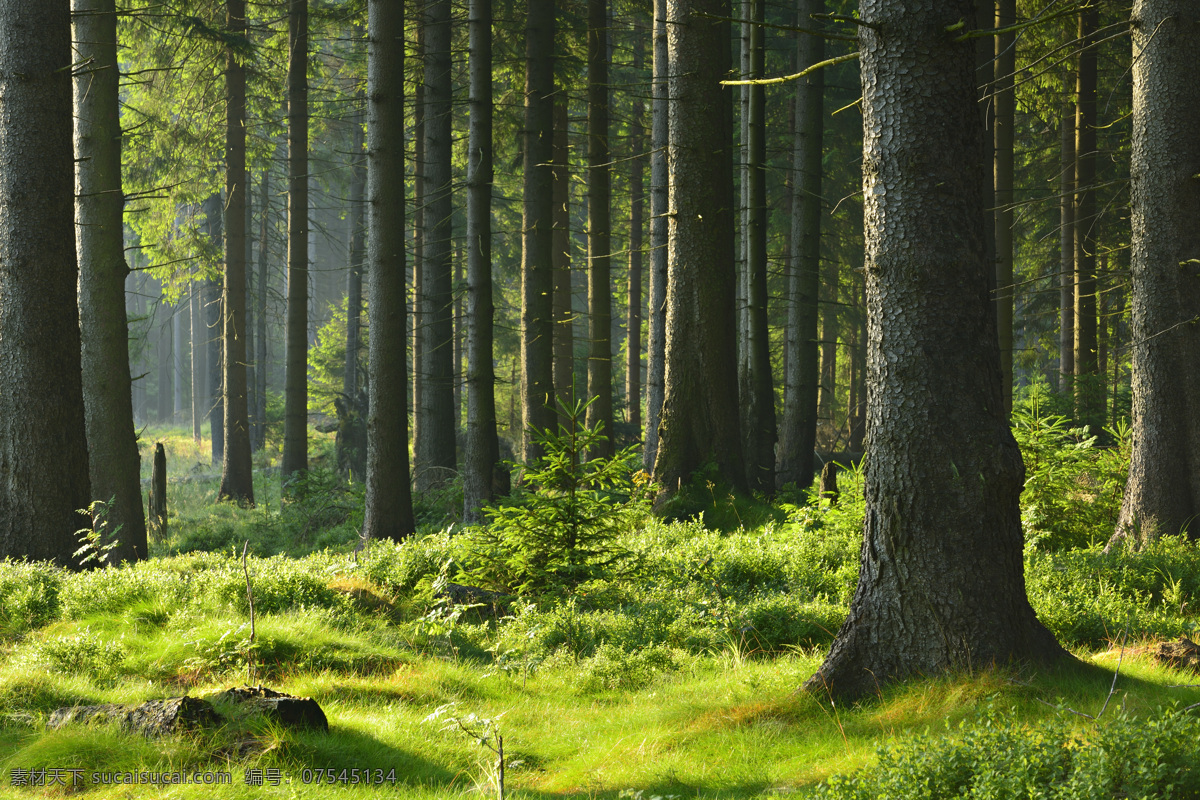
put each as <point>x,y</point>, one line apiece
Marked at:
<point>700,407</point>
<point>388,513</point>
<point>237,475</point>
<point>537,280</point>
<point>481,467</point>
<point>100,245</point>
<point>599,234</point>
<point>43,441</point>
<point>1162,495</point>
<point>295,389</point>
<point>941,583</point>
<point>657,301</point>
<point>801,377</point>
<point>436,459</point>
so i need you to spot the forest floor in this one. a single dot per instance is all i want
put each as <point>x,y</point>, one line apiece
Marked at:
<point>678,679</point>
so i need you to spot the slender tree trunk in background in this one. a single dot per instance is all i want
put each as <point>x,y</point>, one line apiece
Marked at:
<point>354,275</point>
<point>165,367</point>
<point>388,513</point>
<point>827,394</point>
<point>251,316</point>
<point>1006,106</point>
<point>419,315</point>
<point>100,244</point>
<point>459,337</point>
<point>657,306</point>
<point>295,390</point>
<point>858,412</point>
<point>481,470</point>
<point>802,375</point>
<point>537,242</point>
<point>260,316</point>
<point>700,408</point>
<point>436,458</point>
<point>941,584</point>
<point>199,342</point>
<point>43,441</point>
<point>181,344</point>
<point>1088,407</point>
<point>215,402</point>
<point>564,314</point>
<point>599,179</point>
<point>1066,231</point>
<point>1162,495</point>
<point>741,239</point>
<point>637,205</point>
<point>759,432</point>
<point>237,475</point>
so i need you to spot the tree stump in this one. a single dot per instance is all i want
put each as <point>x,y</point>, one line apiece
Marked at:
<point>829,487</point>
<point>158,494</point>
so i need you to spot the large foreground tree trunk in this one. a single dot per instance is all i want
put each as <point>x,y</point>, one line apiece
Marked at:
<point>295,389</point>
<point>388,513</point>
<point>43,443</point>
<point>1162,495</point>
<point>237,476</point>
<point>99,209</point>
<point>700,420</point>
<point>941,584</point>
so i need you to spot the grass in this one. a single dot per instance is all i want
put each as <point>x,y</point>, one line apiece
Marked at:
<point>682,682</point>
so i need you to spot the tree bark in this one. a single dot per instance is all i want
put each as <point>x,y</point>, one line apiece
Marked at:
<point>564,314</point>
<point>481,468</point>
<point>260,316</point>
<point>43,441</point>
<point>436,457</point>
<point>1089,402</point>
<point>1006,105</point>
<point>237,475</point>
<point>199,342</point>
<point>941,584</point>
<point>802,377</point>
<point>537,281</point>
<point>1066,189</point>
<point>1162,495</point>
<point>100,244</point>
<point>700,407</point>
<point>657,301</point>
<point>388,513</point>
<point>637,206</point>
<point>357,252</point>
<point>599,236</point>
<point>295,390</point>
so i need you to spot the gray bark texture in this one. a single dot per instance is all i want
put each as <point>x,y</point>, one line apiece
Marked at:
<point>43,441</point>
<point>436,460</point>
<point>481,467</point>
<point>1162,495</point>
<point>260,314</point>
<point>199,354</point>
<point>599,233</point>
<point>657,299</point>
<point>388,513</point>
<point>295,389</point>
<point>537,281</point>
<point>1089,386</point>
<point>100,245</point>
<point>237,475</point>
<point>637,208</point>
<point>941,582</point>
<point>700,405</point>
<point>564,314</point>
<point>1066,244</point>
<point>799,429</point>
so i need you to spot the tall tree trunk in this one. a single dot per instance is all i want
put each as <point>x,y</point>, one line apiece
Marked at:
<point>564,314</point>
<point>436,454</point>
<point>295,390</point>
<point>237,476</point>
<point>599,179</point>
<point>700,407</point>
<point>215,402</point>
<point>1088,407</point>
<point>637,206</point>
<point>858,412</point>
<point>1006,105</point>
<point>260,316</point>
<point>802,375</point>
<point>354,275</point>
<point>1066,189</point>
<point>199,342</point>
<point>656,362</point>
<point>388,513</point>
<point>827,391</point>
<point>179,349</point>
<point>941,585</point>
<point>481,468</point>
<point>165,361</point>
<point>100,244</point>
<point>419,311</point>
<point>251,317</point>
<point>537,280</point>
<point>43,441</point>
<point>1162,495</point>
<point>759,430</point>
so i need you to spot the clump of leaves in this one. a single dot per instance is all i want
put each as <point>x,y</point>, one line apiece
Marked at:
<point>562,528</point>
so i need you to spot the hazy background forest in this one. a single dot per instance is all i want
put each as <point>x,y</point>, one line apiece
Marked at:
<point>498,377</point>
